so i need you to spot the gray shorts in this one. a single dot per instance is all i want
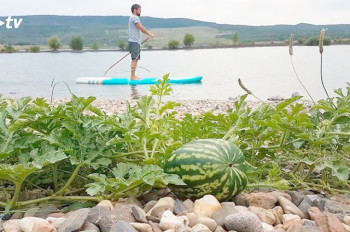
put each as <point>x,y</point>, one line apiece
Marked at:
<point>134,49</point>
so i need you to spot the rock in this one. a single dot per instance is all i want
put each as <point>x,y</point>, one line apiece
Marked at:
<point>195,219</point>
<point>170,221</point>
<point>142,227</point>
<point>17,215</point>
<point>311,229</point>
<point>226,209</point>
<point>206,206</point>
<point>289,207</point>
<point>155,227</point>
<point>219,229</point>
<point>267,227</point>
<point>297,197</point>
<point>27,223</point>
<point>331,206</point>
<point>107,219</point>
<point>130,201</point>
<point>243,222</point>
<point>180,208</point>
<point>46,210</point>
<point>31,212</point>
<point>149,205</point>
<point>304,207</point>
<point>189,205</point>
<point>56,222</point>
<point>5,216</point>
<point>200,228</point>
<point>88,226</point>
<point>241,208</point>
<point>164,204</point>
<point>122,226</point>
<point>307,222</point>
<point>96,213</point>
<point>74,221</point>
<point>265,215</point>
<point>278,212</point>
<point>241,199</point>
<point>328,222</point>
<point>296,228</point>
<point>12,225</point>
<point>153,219</point>
<point>347,227</point>
<point>139,214</point>
<point>290,223</point>
<point>289,217</point>
<point>346,219</point>
<point>154,195</point>
<point>106,203</point>
<point>261,200</point>
<point>43,227</point>
<point>281,194</point>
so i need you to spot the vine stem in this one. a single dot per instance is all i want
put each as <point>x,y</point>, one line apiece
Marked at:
<point>71,179</point>
<point>16,194</point>
<point>3,204</point>
<point>54,170</point>
<point>324,87</point>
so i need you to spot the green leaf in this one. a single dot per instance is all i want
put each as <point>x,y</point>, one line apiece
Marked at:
<point>16,173</point>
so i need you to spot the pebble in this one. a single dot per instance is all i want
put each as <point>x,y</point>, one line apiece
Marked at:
<point>204,215</point>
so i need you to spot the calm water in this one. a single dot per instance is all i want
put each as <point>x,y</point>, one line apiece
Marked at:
<point>266,71</point>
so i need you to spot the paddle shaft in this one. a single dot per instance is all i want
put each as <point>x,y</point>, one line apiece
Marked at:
<point>122,58</point>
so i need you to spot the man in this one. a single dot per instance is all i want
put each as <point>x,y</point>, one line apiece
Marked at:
<point>135,36</point>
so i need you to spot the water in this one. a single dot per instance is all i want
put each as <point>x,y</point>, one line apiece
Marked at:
<point>266,71</point>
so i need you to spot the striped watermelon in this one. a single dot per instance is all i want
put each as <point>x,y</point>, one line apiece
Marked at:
<point>208,166</point>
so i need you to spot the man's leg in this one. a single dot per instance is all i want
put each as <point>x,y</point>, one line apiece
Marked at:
<point>133,70</point>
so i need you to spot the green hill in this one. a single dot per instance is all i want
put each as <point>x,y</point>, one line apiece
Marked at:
<point>108,31</point>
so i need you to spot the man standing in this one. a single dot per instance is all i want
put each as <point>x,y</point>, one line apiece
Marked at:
<point>135,36</point>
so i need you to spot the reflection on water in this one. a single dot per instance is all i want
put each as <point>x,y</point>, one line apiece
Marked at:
<point>134,93</point>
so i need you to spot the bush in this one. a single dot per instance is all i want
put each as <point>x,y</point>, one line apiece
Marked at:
<point>188,40</point>
<point>76,43</point>
<point>54,43</point>
<point>8,49</point>
<point>34,49</point>
<point>95,46</point>
<point>122,45</point>
<point>173,44</point>
<point>314,41</point>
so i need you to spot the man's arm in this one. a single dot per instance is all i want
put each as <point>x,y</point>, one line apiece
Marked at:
<point>144,30</point>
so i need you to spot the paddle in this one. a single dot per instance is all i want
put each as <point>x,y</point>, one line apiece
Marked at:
<point>122,58</point>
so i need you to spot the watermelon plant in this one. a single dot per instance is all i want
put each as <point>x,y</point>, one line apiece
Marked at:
<point>208,166</point>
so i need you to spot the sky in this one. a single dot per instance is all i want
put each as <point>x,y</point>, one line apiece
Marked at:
<point>242,12</point>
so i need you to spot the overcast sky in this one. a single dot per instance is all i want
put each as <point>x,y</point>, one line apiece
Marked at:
<point>244,12</point>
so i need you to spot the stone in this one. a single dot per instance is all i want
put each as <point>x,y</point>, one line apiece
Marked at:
<point>195,219</point>
<point>74,221</point>
<point>153,219</point>
<point>290,223</point>
<point>328,222</point>
<point>296,228</point>
<point>106,203</point>
<point>288,217</point>
<point>226,209</point>
<point>122,226</point>
<point>309,223</point>
<point>346,219</point>
<point>264,214</point>
<point>240,208</point>
<point>46,210</point>
<point>142,227</point>
<point>149,205</point>
<point>88,226</point>
<point>139,214</point>
<point>155,227</point>
<point>180,208</point>
<point>278,212</point>
<point>96,213</point>
<point>219,229</point>
<point>164,204</point>
<point>311,229</point>
<point>304,207</point>
<point>297,197</point>
<point>43,227</point>
<point>189,205</point>
<point>107,219</point>
<point>200,228</point>
<point>332,206</point>
<point>56,221</point>
<point>206,206</point>
<point>289,207</point>
<point>243,222</point>
<point>12,225</point>
<point>170,221</point>
<point>347,227</point>
<point>130,201</point>
<point>27,223</point>
<point>31,212</point>
<point>241,199</point>
<point>281,194</point>
<point>262,200</point>
<point>17,215</point>
<point>267,227</point>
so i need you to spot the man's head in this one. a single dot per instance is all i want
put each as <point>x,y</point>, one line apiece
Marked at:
<point>136,9</point>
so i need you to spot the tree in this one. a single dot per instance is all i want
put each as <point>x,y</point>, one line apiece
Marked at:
<point>122,45</point>
<point>173,44</point>
<point>235,39</point>
<point>54,43</point>
<point>76,43</point>
<point>188,40</point>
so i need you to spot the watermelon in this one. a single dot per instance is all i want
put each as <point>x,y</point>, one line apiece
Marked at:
<point>208,166</point>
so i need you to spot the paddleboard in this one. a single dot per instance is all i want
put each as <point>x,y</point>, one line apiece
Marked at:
<point>127,81</point>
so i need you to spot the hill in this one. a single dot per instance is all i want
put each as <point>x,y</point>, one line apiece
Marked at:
<point>108,31</point>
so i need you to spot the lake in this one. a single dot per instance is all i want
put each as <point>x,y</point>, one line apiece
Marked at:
<point>266,71</point>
